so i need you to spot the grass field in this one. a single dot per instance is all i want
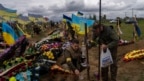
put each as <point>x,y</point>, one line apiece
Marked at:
<point>127,29</point>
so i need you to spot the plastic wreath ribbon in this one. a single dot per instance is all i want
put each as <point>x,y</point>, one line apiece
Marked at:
<point>135,54</point>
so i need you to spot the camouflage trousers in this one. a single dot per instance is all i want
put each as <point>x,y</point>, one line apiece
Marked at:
<point>113,68</point>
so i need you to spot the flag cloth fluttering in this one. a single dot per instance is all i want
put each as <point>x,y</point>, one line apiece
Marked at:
<point>79,13</point>
<point>66,18</point>
<point>137,29</point>
<point>9,34</point>
<point>21,32</point>
<point>78,23</point>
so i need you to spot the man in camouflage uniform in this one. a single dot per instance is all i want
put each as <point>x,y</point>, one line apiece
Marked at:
<point>107,38</point>
<point>71,60</point>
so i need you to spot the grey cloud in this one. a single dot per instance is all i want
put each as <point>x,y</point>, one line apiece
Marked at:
<point>55,17</point>
<point>57,9</point>
<point>140,14</point>
<point>37,9</point>
<point>74,5</point>
<point>70,5</point>
<point>86,9</point>
<point>114,14</point>
<point>115,7</point>
<point>142,8</point>
<point>78,5</point>
<point>15,3</point>
<point>139,6</point>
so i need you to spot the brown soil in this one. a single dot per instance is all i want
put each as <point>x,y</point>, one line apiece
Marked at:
<point>127,71</point>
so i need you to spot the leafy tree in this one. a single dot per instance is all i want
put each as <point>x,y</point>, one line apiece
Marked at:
<point>90,17</point>
<point>94,17</point>
<point>104,17</point>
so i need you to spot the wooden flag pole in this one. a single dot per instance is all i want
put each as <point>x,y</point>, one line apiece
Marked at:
<point>65,31</point>
<point>134,30</point>
<point>99,68</point>
<point>85,40</point>
<point>118,28</point>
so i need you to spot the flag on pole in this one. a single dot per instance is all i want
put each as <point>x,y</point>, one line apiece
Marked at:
<point>78,24</point>
<point>137,29</point>
<point>21,32</point>
<point>9,34</point>
<point>118,28</point>
<point>66,18</point>
<point>79,13</point>
<point>77,19</point>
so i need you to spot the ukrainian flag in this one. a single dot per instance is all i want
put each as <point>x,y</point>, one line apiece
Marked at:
<point>66,18</point>
<point>78,24</point>
<point>21,32</point>
<point>9,34</point>
<point>79,13</point>
<point>137,29</point>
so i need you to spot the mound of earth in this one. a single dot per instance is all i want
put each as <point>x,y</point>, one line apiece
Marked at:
<point>127,71</point>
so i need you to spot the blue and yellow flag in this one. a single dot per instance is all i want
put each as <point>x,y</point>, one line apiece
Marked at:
<point>79,13</point>
<point>137,29</point>
<point>78,23</point>
<point>66,18</point>
<point>21,32</point>
<point>9,34</point>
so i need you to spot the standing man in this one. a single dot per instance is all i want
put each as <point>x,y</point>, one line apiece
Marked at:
<point>107,38</point>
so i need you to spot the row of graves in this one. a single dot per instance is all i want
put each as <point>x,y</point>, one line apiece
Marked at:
<point>25,61</point>
<point>134,54</point>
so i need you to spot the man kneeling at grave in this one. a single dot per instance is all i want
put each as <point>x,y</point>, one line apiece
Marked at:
<point>72,60</point>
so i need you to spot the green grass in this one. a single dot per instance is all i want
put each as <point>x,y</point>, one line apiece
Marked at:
<point>127,29</point>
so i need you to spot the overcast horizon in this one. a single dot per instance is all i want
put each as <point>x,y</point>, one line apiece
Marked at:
<point>55,9</point>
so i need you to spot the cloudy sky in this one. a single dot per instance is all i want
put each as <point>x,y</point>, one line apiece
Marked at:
<point>54,9</point>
